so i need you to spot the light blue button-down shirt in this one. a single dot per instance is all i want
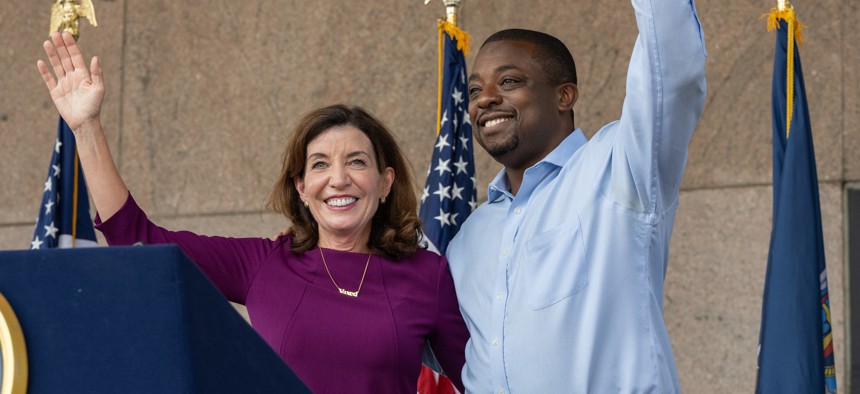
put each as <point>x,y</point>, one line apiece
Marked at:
<point>561,285</point>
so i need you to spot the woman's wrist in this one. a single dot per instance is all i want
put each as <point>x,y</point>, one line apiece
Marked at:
<point>89,126</point>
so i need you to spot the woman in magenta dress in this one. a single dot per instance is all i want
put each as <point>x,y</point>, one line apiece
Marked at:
<point>347,298</point>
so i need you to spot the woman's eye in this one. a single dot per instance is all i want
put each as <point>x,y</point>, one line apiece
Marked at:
<point>319,164</point>
<point>358,163</point>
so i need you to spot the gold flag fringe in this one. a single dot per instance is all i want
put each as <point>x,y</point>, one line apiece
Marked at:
<point>794,34</point>
<point>462,39</point>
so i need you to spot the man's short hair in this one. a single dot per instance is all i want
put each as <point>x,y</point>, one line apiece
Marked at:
<point>551,53</point>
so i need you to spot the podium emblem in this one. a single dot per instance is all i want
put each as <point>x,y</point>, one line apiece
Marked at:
<point>13,369</point>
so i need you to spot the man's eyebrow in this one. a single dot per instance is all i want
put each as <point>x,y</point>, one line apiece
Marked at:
<point>500,69</point>
<point>505,67</point>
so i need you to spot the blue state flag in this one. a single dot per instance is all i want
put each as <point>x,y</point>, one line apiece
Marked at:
<point>64,215</point>
<point>450,193</point>
<point>795,341</point>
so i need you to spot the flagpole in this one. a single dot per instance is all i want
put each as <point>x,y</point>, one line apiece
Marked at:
<point>65,17</point>
<point>435,227</point>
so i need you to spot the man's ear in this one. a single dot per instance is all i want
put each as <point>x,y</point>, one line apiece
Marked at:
<point>568,93</point>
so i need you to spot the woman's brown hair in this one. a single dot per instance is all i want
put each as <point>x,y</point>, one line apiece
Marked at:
<point>395,227</point>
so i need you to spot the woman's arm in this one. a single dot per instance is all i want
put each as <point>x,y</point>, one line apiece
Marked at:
<point>77,92</point>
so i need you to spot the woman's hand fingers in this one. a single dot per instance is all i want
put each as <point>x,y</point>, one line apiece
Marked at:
<point>46,75</point>
<point>54,58</point>
<point>63,53</point>
<point>74,52</point>
<point>95,71</point>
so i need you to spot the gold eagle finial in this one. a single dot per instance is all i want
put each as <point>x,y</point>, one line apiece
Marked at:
<point>65,15</point>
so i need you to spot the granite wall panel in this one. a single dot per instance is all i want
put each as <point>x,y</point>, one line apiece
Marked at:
<point>715,282</point>
<point>202,97</point>
<point>28,118</point>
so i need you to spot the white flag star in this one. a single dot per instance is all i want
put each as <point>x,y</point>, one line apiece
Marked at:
<point>465,141</point>
<point>48,207</point>
<point>443,218</point>
<point>466,120</point>
<point>443,142</point>
<point>425,194</point>
<point>443,166</point>
<point>457,96</point>
<point>461,165</point>
<point>473,203</point>
<point>443,192</point>
<point>444,118</point>
<point>51,231</point>
<point>36,244</point>
<point>56,169</point>
<point>49,184</point>
<point>57,146</point>
<point>457,192</point>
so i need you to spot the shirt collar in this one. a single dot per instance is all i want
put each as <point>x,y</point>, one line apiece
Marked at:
<point>500,187</point>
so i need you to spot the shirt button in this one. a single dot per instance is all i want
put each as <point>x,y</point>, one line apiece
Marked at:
<point>505,252</point>
<point>501,391</point>
<point>499,296</point>
<point>518,211</point>
<point>495,342</point>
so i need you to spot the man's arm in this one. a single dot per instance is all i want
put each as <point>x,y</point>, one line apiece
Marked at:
<point>665,97</point>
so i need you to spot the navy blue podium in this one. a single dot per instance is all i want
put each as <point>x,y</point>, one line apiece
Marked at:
<point>139,319</point>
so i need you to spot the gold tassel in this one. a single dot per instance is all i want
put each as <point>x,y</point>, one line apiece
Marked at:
<point>789,16</point>
<point>794,34</point>
<point>456,33</point>
<point>462,39</point>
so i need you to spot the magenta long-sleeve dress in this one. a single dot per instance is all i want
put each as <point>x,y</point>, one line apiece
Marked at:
<point>334,343</point>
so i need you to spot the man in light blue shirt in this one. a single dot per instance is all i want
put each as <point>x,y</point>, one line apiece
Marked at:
<point>560,273</point>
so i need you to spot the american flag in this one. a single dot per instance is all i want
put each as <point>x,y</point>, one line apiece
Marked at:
<point>450,193</point>
<point>64,220</point>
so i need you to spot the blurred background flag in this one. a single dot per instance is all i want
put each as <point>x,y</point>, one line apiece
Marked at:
<point>450,193</point>
<point>64,215</point>
<point>795,341</point>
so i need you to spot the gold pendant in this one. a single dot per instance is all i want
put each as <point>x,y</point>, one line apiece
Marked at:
<point>347,292</point>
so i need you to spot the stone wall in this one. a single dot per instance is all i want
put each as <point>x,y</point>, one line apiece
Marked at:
<point>201,97</point>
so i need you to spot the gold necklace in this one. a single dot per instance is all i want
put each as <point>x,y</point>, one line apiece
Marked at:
<point>341,289</point>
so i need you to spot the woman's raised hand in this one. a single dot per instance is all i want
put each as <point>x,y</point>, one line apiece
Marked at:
<point>77,90</point>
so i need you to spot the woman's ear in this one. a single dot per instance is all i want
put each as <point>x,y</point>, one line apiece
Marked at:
<point>388,181</point>
<point>300,186</point>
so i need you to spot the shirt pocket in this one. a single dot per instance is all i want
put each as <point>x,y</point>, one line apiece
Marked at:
<point>555,265</point>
